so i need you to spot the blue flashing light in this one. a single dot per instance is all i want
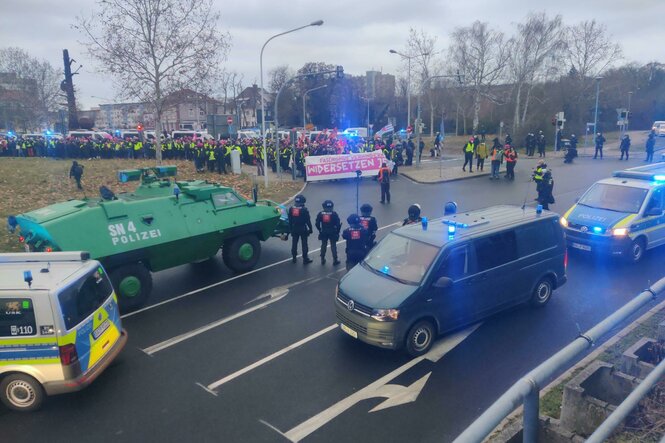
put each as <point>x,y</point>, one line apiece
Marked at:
<point>27,277</point>
<point>451,229</point>
<point>48,132</point>
<point>597,229</point>
<point>10,133</point>
<point>385,269</point>
<point>659,178</point>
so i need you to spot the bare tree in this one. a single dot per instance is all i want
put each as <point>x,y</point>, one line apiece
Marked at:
<point>43,77</point>
<point>155,47</point>
<point>539,41</point>
<point>237,88</point>
<point>422,47</point>
<point>278,76</point>
<point>589,49</point>
<point>224,87</point>
<point>479,54</point>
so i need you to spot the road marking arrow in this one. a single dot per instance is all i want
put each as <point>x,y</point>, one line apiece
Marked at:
<point>396,394</point>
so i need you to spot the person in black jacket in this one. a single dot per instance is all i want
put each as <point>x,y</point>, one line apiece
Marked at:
<point>600,141</point>
<point>369,222</point>
<point>545,191</point>
<point>328,225</point>
<point>356,241</point>
<point>76,171</point>
<point>300,224</point>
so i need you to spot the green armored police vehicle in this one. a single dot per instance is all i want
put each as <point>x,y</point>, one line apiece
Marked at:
<point>162,224</point>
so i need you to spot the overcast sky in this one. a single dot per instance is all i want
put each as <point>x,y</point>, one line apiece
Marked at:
<point>356,34</point>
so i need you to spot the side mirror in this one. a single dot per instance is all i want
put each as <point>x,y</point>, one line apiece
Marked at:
<point>654,212</point>
<point>443,283</point>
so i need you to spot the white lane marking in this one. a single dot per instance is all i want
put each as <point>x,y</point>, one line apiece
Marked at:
<point>275,294</point>
<point>272,295</point>
<point>212,387</point>
<point>196,291</point>
<point>376,389</point>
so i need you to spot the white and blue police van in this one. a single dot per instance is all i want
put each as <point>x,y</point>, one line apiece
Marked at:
<point>620,216</point>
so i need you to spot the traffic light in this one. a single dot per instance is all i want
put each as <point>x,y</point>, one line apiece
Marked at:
<point>339,72</point>
<point>139,127</point>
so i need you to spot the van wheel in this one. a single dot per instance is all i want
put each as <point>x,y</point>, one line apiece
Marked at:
<point>420,338</point>
<point>636,251</point>
<point>133,284</point>
<point>22,393</point>
<point>241,254</point>
<point>542,293</point>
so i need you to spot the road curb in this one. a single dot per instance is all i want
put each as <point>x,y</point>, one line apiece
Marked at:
<point>509,421</point>
<point>294,195</point>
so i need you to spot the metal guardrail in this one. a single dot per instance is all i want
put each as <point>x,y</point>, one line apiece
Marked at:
<point>527,389</point>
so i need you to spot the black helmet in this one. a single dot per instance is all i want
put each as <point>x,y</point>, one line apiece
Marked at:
<point>450,208</point>
<point>353,219</point>
<point>328,204</point>
<point>414,211</point>
<point>366,209</point>
<point>300,199</point>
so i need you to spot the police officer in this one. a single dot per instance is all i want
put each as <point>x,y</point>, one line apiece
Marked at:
<point>545,193</point>
<point>624,147</point>
<point>537,175</point>
<point>356,241</point>
<point>414,215</point>
<point>300,224</point>
<point>369,222</point>
<point>600,141</point>
<point>328,225</point>
<point>650,144</point>
<point>76,171</point>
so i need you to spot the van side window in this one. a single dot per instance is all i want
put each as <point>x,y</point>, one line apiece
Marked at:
<point>495,250</point>
<point>456,265</point>
<point>535,237</point>
<point>81,299</point>
<point>656,200</point>
<point>17,317</point>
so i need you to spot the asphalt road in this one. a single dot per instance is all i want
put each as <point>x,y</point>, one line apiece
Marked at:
<point>253,358</point>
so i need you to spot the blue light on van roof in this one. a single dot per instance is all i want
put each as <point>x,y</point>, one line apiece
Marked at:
<point>659,178</point>
<point>597,229</point>
<point>385,269</point>
<point>451,229</point>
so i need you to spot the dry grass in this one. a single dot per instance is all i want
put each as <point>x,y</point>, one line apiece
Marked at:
<point>31,183</point>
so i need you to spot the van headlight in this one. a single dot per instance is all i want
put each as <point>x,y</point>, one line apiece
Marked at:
<point>385,314</point>
<point>620,232</point>
<point>563,222</point>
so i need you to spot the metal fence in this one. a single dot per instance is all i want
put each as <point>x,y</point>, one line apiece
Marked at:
<point>527,389</point>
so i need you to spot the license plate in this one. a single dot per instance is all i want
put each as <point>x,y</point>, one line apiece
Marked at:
<point>580,246</point>
<point>349,331</point>
<point>101,329</point>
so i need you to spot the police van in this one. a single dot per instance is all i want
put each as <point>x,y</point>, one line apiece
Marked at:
<point>424,280</point>
<point>59,325</point>
<point>620,216</point>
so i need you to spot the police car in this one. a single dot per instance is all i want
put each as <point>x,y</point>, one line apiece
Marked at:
<point>620,216</point>
<point>59,325</point>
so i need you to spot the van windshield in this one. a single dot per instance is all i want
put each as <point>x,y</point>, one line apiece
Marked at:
<point>401,258</point>
<point>614,198</point>
<point>85,296</point>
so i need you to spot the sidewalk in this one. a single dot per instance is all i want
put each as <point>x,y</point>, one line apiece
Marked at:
<point>448,167</point>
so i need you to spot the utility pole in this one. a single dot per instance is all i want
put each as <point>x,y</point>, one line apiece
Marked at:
<point>67,85</point>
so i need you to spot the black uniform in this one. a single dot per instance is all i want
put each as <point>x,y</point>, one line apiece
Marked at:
<point>600,141</point>
<point>369,222</point>
<point>76,171</point>
<point>356,244</point>
<point>328,225</point>
<point>301,227</point>
<point>545,190</point>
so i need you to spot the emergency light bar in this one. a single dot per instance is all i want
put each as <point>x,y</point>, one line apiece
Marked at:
<point>655,172</point>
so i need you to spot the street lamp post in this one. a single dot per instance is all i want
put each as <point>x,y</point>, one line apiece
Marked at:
<point>595,116</point>
<point>304,99</point>
<point>408,84</point>
<point>263,106</point>
<point>630,94</point>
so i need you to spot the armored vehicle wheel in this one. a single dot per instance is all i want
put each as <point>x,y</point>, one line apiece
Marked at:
<point>241,254</point>
<point>133,285</point>
<point>21,392</point>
